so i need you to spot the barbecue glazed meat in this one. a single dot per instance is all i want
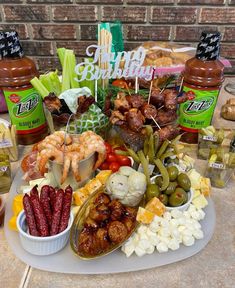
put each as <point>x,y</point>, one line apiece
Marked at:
<point>52,103</point>
<point>165,116</point>
<point>101,239</point>
<point>117,231</point>
<point>99,213</point>
<point>157,98</point>
<point>107,225</point>
<point>117,209</point>
<point>135,119</point>
<point>102,198</point>
<point>149,111</point>
<point>170,99</point>
<point>84,102</point>
<point>121,103</point>
<point>117,118</point>
<point>90,223</point>
<point>135,100</point>
<point>169,132</point>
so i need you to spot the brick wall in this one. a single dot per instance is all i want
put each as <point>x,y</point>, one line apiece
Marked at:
<point>44,25</point>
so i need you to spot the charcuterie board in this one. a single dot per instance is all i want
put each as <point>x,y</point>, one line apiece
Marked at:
<point>66,261</point>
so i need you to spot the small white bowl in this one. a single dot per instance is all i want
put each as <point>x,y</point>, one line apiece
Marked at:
<point>42,245</point>
<point>182,207</point>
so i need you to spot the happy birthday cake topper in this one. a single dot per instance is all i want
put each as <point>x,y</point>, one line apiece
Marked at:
<point>122,64</point>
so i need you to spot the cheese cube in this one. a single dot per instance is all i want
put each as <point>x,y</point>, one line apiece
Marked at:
<point>144,216</point>
<point>195,178</point>
<point>79,197</point>
<point>200,202</point>
<point>155,206</point>
<point>205,186</point>
<point>103,176</point>
<point>93,185</point>
<point>196,194</point>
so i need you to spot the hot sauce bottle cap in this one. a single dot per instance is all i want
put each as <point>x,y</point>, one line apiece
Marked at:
<point>209,46</point>
<point>10,44</point>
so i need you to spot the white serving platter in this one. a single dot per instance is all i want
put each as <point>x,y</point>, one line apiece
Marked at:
<point>66,261</point>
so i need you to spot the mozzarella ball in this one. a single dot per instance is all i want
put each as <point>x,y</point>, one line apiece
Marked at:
<point>162,247</point>
<point>173,244</point>
<point>188,240</point>
<point>139,251</point>
<point>198,234</point>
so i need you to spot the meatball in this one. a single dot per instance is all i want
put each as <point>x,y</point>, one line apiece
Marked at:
<point>99,213</point>
<point>101,238</point>
<point>102,198</point>
<point>117,232</point>
<point>135,100</point>
<point>129,223</point>
<point>117,209</point>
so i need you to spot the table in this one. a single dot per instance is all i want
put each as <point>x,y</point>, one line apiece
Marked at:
<point>212,267</point>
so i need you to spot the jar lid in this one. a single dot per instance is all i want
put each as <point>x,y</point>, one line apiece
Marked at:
<point>209,46</point>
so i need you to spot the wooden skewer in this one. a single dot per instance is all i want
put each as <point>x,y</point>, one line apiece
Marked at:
<point>181,84</point>
<point>136,85</point>
<point>156,122</point>
<point>151,86</point>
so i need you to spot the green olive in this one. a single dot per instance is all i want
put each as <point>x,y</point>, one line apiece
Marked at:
<point>163,198</point>
<point>184,181</point>
<point>152,191</point>
<point>178,198</point>
<point>158,181</point>
<point>183,193</point>
<point>171,188</point>
<point>173,173</point>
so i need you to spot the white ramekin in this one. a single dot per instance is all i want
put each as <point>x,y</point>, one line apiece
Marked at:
<point>42,245</point>
<point>182,207</point>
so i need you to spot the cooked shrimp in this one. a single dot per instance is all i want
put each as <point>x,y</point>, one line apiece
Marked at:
<point>93,143</point>
<point>72,160</point>
<point>47,154</point>
<point>57,139</point>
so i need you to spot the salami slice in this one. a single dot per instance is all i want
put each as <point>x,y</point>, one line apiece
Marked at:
<point>66,208</point>
<point>45,202</point>
<point>40,217</point>
<point>31,222</point>
<point>55,221</point>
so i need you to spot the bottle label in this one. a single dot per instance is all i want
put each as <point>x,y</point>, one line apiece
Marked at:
<point>25,110</point>
<point>197,113</point>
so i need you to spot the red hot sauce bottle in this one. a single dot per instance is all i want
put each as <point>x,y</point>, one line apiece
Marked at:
<point>203,75</point>
<point>24,103</point>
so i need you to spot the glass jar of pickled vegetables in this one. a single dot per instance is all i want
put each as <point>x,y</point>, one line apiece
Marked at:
<point>220,167</point>
<point>5,174</point>
<point>209,138</point>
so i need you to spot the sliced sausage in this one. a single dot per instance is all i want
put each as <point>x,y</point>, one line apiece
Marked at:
<point>31,222</point>
<point>52,195</point>
<point>45,202</point>
<point>67,200</point>
<point>55,221</point>
<point>40,216</point>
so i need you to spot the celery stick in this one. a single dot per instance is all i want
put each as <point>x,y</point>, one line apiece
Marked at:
<point>73,75</point>
<point>51,82</point>
<point>39,87</point>
<point>66,74</point>
<point>61,54</point>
